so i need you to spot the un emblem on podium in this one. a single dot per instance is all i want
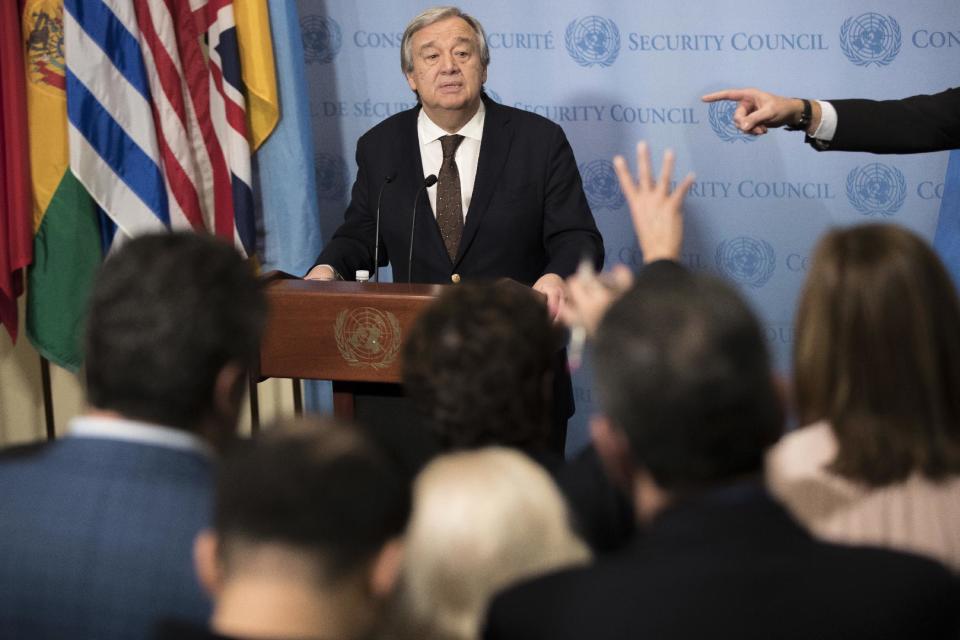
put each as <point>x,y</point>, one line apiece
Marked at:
<point>593,41</point>
<point>869,39</point>
<point>322,39</point>
<point>367,337</point>
<point>721,121</point>
<point>749,261</point>
<point>876,189</point>
<point>601,185</point>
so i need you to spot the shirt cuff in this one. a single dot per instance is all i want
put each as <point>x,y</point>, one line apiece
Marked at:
<point>828,122</point>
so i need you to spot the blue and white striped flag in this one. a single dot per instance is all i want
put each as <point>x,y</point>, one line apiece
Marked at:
<point>113,143</point>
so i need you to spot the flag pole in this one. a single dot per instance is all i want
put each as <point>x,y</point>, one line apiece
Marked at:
<point>297,398</point>
<point>47,398</point>
<point>254,407</point>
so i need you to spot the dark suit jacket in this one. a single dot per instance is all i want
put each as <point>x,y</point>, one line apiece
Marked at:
<point>528,215</point>
<point>911,125</point>
<point>96,538</point>
<point>733,564</point>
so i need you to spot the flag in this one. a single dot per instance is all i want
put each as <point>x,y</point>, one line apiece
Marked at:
<point>16,233</point>
<point>228,110</point>
<point>287,180</point>
<point>113,144</point>
<point>66,242</point>
<point>947,238</point>
<point>257,66</point>
<point>157,123</point>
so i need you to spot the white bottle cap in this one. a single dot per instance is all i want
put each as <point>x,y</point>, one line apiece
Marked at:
<point>362,275</point>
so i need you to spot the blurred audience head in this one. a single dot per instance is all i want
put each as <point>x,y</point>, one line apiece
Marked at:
<point>478,363</point>
<point>877,354</point>
<point>685,384</point>
<point>482,520</point>
<point>306,533</point>
<point>175,322</point>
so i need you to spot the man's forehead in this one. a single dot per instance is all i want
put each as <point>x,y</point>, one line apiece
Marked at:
<point>443,41</point>
<point>450,31</point>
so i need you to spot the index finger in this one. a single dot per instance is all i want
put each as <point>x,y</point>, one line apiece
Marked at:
<point>726,94</point>
<point>666,170</point>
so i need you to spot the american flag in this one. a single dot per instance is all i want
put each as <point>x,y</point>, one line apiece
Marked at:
<point>157,122</point>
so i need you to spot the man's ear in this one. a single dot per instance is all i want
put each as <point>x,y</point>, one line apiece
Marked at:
<point>386,567</point>
<point>614,450</point>
<point>411,81</point>
<point>206,562</point>
<point>228,388</point>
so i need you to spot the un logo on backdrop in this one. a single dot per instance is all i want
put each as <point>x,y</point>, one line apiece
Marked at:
<point>321,39</point>
<point>876,189</point>
<point>721,121</point>
<point>593,40</point>
<point>870,39</point>
<point>749,261</point>
<point>331,177</point>
<point>601,185</point>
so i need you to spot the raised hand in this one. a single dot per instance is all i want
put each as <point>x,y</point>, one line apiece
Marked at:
<point>656,211</point>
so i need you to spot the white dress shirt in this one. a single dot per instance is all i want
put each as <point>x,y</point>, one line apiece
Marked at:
<point>139,432</point>
<point>467,156</point>
<point>828,122</point>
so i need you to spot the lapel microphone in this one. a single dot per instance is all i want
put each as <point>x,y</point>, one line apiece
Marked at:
<point>376,242</point>
<point>428,182</point>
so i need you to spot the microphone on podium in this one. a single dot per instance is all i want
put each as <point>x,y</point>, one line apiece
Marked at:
<point>429,181</point>
<point>376,242</point>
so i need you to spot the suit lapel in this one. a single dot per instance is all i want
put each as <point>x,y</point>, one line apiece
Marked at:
<point>494,149</point>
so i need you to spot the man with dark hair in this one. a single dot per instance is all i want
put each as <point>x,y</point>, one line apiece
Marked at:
<point>97,527</point>
<point>690,406</point>
<point>306,536</point>
<point>479,365</point>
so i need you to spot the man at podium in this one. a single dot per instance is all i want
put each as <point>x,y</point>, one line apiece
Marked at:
<point>506,200</point>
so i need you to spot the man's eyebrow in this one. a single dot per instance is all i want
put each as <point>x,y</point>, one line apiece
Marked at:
<point>459,40</point>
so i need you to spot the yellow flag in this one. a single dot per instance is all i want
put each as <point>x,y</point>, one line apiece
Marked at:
<point>257,67</point>
<point>46,100</point>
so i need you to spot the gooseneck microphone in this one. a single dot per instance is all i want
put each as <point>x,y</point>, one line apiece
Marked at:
<point>428,182</point>
<point>376,242</point>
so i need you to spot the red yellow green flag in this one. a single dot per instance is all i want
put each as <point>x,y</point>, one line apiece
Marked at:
<point>67,248</point>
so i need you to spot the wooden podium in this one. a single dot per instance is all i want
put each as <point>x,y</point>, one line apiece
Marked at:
<point>347,332</point>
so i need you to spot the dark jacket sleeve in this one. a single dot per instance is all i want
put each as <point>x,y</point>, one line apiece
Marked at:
<point>912,125</point>
<point>351,246</point>
<point>569,231</point>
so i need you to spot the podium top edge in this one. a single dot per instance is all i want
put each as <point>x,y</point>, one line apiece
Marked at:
<point>340,287</point>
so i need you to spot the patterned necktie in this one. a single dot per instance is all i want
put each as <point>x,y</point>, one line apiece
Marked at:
<point>449,204</point>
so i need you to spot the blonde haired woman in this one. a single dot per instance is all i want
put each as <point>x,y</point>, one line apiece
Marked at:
<point>482,520</point>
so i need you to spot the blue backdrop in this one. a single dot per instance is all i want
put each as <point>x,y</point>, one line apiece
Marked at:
<point>613,72</point>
